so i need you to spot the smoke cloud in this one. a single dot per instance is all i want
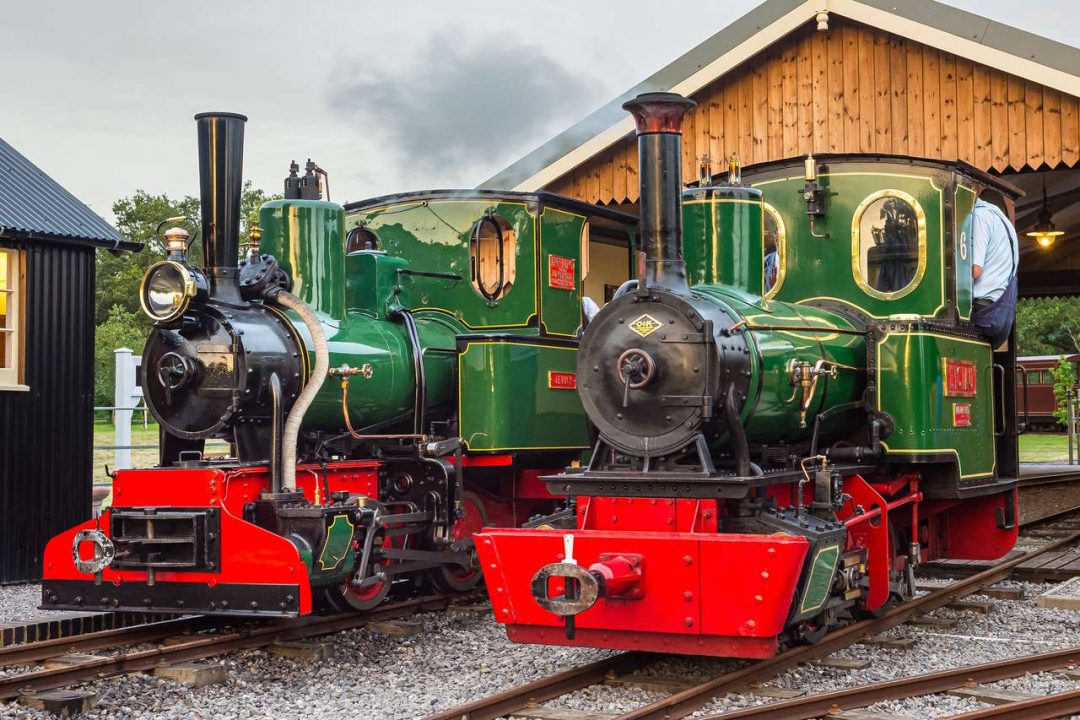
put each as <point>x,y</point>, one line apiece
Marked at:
<point>465,106</point>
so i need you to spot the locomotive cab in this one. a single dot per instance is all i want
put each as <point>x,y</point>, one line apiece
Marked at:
<point>359,364</point>
<point>775,454</point>
<point>893,240</point>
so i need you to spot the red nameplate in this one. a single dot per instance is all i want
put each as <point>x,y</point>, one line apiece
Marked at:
<point>561,272</point>
<point>562,380</point>
<point>960,378</point>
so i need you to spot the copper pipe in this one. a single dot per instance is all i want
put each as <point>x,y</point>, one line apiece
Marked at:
<point>358,436</point>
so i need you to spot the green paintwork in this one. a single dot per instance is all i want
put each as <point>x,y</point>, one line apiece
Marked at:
<point>356,296</point>
<point>910,387</point>
<point>810,261</point>
<point>965,201</point>
<point>434,235</point>
<point>723,235</point>
<point>560,235</point>
<point>353,295</point>
<point>373,285</point>
<point>819,581</point>
<point>307,238</point>
<point>497,375</point>
<point>337,545</point>
<point>386,398</point>
<point>304,549</point>
<point>782,332</point>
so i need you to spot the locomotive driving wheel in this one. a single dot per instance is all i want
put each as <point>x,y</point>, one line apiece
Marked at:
<point>812,631</point>
<point>366,593</point>
<point>365,597</point>
<point>455,577</point>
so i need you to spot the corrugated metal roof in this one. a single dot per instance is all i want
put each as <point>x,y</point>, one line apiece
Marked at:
<point>32,203</point>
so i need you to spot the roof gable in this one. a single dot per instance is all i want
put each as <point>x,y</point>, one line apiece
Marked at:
<point>33,204</point>
<point>1018,53</point>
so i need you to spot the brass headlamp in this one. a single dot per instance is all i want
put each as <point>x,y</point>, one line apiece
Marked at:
<point>170,290</point>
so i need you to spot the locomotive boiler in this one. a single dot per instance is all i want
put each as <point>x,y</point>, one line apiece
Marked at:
<point>771,461</point>
<point>358,370</point>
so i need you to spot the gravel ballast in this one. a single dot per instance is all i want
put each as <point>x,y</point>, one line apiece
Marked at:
<point>19,601</point>
<point>462,655</point>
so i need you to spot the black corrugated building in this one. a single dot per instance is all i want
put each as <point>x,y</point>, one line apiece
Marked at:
<point>47,244</point>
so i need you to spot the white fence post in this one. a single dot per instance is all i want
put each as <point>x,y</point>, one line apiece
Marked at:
<point>1070,409</point>
<point>123,392</point>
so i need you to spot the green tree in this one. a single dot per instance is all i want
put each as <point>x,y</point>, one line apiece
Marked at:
<point>137,218</point>
<point>1048,326</point>
<point>1064,374</point>
<point>119,275</point>
<point>120,329</point>
<point>250,201</point>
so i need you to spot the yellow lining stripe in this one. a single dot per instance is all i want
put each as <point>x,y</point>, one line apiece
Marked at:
<point>781,247</point>
<point>928,451</point>
<point>579,283</point>
<point>468,346</point>
<point>856,243</point>
<point>494,202</point>
<point>941,230</point>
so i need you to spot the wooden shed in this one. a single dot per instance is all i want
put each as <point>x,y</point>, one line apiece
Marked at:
<point>791,78</point>
<point>47,244</point>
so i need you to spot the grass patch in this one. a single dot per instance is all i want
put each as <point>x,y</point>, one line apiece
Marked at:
<point>1044,447</point>
<point>144,456</point>
<point>1034,447</point>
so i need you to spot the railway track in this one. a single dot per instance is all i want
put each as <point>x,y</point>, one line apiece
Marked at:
<point>1054,567</point>
<point>248,636</point>
<point>1050,478</point>
<point>34,652</point>
<point>817,705</point>
<point>198,647</point>
<point>685,702</point>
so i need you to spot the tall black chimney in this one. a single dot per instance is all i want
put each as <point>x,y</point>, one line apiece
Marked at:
<point>659,118</point>
<point>221,160</point>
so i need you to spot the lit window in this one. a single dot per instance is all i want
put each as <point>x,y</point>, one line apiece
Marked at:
<point>10,325</point>
<point>888,238</point>
<point>492,250</point>
<point>775,250</point>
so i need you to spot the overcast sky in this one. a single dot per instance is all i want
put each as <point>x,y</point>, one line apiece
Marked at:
<point>386,96</point>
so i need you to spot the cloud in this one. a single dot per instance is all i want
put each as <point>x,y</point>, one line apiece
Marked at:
<point>467,102</point>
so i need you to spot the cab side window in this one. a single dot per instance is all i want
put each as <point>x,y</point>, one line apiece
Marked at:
<point>360,238</point>
<point>889,244</point>
<point>775,250</point>
<point>492,250</point>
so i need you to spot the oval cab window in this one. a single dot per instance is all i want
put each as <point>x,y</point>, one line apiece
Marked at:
<point>492,248</point>
<point>775,250</point>
<point>360,238</point>
<point>888,238</point>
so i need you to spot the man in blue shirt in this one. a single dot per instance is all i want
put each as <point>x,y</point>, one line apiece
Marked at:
<point>995,255</point>
<point>772,269</point>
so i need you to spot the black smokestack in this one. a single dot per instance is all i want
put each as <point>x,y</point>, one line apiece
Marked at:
<point>221,161</point>
<point>659,118</point>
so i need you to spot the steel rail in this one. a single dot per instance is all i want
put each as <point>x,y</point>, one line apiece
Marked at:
<point>1052,478</point>
<point>687,701</point>
<point>683,703</point>
<point>32,652</point>
<point>1040,708</point>
<point>1050,517</point>
<point>201,647</point>
<point>813,706</point>
<point>504,703</point>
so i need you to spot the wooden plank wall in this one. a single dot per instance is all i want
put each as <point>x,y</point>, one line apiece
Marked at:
<point>856,89</point>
